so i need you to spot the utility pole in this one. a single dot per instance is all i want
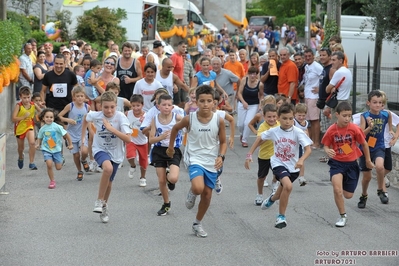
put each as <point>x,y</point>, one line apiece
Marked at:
<point>308,21</point>
<point>42,12</point>
<point>3,9</point>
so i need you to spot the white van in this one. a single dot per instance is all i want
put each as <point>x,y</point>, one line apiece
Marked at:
<point>187,11</point>
<point>355,41</point>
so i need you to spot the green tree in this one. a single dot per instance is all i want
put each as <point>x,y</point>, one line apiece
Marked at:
<point>283,8</point>
<point>25,6</point>
<point>11,40</point>
<point>64,18</point>
<point>385,18</point>
<point>165,17</point>
<point>101,24</point>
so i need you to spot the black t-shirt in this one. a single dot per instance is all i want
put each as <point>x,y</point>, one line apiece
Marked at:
<point>324,81</point>
<point>270,86</point>
<point>56,87</point>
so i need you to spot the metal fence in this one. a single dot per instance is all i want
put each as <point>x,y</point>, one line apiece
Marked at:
<point>365,80</point>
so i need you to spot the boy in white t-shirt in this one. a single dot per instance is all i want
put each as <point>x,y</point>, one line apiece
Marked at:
<point>139,143</point>
<point>285,162</point>
<point>112,129</point>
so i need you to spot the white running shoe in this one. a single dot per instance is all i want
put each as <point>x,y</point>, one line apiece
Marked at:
<point>218,187</point>
<point>302,181</point>
<point>199,231</point>
<point>341,221</point>
<point>92,166</point>
<point>265,184</point>
<point>98,206</point>
<point>190,200</point>
<point>131,172</point>
<point>258,200</point>
<point>104,217</point>
<point>387,182</point>
<point>120,165</point>
<point>143,182</point>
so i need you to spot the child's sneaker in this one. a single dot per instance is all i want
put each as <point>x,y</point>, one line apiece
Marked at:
<point>32,166</point>
<point>98,206</point>
<point>92,166</point>
<point>104,215</point>
<point>387,182</point>
<point>199,231</point>
<point>362,202</point>
<point>142,182</point>
<point>218,187</point>
<point>383,196</point>
<point>131,172</point>
<point>302,181</point>
<point>265,184</point>
<point>281,222</point>
<point>98,168</point>
<point>171,186</point>
<point>120,165</point>
<point>258,200</point>
<point>267,203</point>
<point>164,209</point>
<point>51,185</point>
<point>21,162</point>
<point>86,166</point>
<point>79,176</point>
<point>190,200</point>
<point>342,221</point>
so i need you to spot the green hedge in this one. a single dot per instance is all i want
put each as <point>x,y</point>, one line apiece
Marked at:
<point>297,21</point>
<point>11,41</point>
<point>254,12</point>
<point>22,21</point>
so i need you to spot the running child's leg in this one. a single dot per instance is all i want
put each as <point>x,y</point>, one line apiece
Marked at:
<point>21,147</point>
<point>285,191</point>
<point>108,170</point>
<point>161,173</point>
<point>380,170</point>
<point>30,136</point>
<point>336,181</point>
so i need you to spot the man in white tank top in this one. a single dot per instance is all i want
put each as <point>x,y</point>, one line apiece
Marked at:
<point>152,56</point>
<point>169,81</point>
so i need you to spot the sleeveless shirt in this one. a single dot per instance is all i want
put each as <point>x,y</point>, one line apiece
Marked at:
<point>126,89</point>
<point>251,95</point>
<point>160,128</point>
<point>167,82</point>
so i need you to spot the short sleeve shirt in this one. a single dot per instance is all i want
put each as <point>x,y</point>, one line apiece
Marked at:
<point>288,73</point>
<point>266,150</point>
<point>225,79</point>
<point>345,88</point>
<point>51,136</point>
<point>343,141</point>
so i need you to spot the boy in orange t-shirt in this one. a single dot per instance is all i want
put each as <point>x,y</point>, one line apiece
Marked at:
<point>340,145</point>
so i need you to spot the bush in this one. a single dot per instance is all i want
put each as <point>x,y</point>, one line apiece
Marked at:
<point>39,36</point>
<point>11,40</point>
<point>22,22</point>
<point>64,18</point>
<point>297,21</point>
<point>98,25</point>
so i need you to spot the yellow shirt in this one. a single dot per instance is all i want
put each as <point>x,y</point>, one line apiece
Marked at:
<point>32,57</point>
<point>27,124</point>
<point>266,150</point>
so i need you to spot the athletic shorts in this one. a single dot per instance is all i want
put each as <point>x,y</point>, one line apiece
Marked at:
<point>142,151</point>
<point>373,155</point>
<point>313,112</point>
<point>388,159</point>
<point>23,136</point>
<point>263,167</point>
<point>76,146</point>
<point>55,157</point>
<point>195,170</point>
<point>101,157</point>
<point>350,172</point>
<point>281,171</point>
<point>159,158</point>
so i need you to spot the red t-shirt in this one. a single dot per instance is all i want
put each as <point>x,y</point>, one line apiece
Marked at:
<point>336,137</point>
<point>178,63</point>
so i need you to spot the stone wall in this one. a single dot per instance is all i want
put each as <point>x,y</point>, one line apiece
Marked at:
<point>7,102</point>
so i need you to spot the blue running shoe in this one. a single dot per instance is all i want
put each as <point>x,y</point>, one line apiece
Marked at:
<point>267,202</point>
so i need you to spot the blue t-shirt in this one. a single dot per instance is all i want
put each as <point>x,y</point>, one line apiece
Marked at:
<point>210,80</point>
<point>91,91</point>
<point>51,136</point>
<point>277,36</point>
<point>380,121</point>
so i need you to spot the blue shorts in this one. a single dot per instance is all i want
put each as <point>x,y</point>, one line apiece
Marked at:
<point>101,157</point>
<point>388,159</point>
<point>281,171</point>
<point>209,177</point>
<point>55,157</point>
<point>373,155</point>
<point>350,172</point>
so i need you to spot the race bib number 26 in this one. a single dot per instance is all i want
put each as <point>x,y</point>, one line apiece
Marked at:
<point>59,90</point>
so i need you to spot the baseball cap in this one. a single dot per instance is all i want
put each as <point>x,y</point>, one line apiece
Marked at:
<point>74,48</point>
<point>66,50</point>
<point>157,44</point>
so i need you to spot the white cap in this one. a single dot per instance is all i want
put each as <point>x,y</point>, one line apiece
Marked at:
<point>66,50</point>
<point>74,48</point>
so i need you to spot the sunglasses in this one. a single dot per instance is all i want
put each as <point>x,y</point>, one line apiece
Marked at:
<point>73,43</point>
<point>109,63</point>
<point>220,55</point>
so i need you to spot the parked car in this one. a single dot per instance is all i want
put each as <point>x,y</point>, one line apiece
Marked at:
<point>256,23</point>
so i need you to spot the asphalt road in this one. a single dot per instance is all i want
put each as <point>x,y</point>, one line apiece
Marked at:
<point>39,226</point>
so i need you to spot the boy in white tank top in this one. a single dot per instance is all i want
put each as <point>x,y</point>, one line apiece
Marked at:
<point>204,152</point>
<point>159,136</point>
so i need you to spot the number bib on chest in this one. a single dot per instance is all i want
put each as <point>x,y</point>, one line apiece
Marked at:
<point>59,90</point>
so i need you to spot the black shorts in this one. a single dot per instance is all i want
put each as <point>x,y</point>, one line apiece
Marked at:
<point>388,159</point>
<point>373,155</point>
<point>281,171</point>
<point>263,167</point>
<point>350,172</point>
<point>159,158</point>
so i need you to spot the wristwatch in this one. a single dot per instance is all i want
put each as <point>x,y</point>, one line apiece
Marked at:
<point>221,155</point>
